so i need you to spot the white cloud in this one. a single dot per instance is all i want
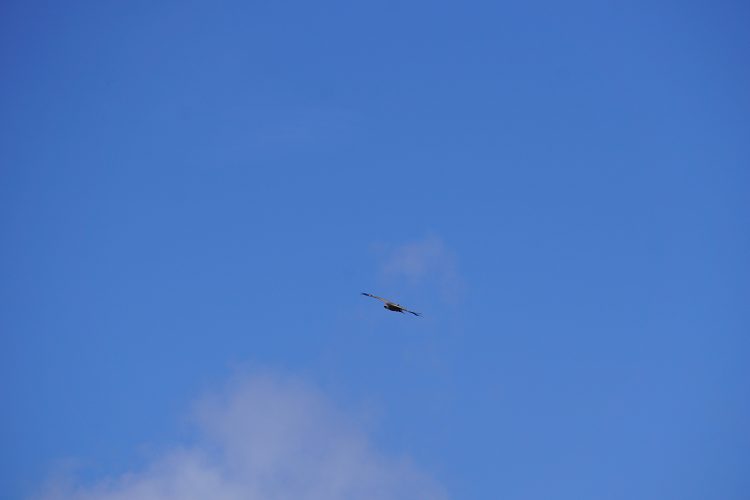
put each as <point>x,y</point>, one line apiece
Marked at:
<point>267,438</point>
<point>425,262</point>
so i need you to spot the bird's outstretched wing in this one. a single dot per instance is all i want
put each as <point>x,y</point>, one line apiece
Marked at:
<point>392,305</point>
<point>376,297</point>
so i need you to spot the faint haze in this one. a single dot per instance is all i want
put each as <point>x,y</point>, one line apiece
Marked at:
<point>422,263</point>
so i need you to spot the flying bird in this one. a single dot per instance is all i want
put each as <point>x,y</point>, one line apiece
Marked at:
<point>392,306</point>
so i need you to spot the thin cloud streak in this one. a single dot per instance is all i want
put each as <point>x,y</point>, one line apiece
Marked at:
<point>267,438</point>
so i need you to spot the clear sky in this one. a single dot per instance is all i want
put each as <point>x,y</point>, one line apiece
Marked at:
<point>194,194</point>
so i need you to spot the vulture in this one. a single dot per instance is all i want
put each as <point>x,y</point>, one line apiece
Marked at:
<point>391,306</point>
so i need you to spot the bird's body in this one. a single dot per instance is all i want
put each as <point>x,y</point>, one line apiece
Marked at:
<point>392,306</point>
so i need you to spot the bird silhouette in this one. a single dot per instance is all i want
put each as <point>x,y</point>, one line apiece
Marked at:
<point>392,306</point>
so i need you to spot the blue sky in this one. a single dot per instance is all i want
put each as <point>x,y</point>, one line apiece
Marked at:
<point>195,193</point>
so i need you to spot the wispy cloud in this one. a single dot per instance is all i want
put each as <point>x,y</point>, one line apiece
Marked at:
<point>424,262</point>
<point>267,438</point>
